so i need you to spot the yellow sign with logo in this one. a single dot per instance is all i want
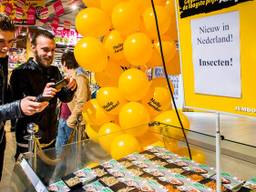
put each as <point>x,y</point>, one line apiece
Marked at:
<point>218,54</point>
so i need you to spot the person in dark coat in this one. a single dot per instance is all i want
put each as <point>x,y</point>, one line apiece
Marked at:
<point>19,108</point>
<point>36,77</point>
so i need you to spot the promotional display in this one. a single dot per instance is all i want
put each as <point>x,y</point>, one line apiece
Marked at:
<point>132,134</point>
<point>217,43</point>
<point>121,52</point>
<point>154,170</point>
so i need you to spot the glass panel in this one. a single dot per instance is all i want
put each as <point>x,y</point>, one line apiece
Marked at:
<point>237,158</point>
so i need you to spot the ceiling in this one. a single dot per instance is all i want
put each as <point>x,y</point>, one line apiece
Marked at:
<point>69,15</point>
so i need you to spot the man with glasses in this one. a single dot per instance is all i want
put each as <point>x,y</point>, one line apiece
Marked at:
<point>17,109</point>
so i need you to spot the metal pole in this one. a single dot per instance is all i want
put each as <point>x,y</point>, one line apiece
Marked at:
<point>218,154</point>
<point>30,138</point>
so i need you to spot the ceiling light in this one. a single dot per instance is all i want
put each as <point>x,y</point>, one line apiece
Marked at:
<point>74,7</point>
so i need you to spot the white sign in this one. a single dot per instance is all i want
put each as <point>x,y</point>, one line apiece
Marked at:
<point>176,81</point>
<point>216,54</point>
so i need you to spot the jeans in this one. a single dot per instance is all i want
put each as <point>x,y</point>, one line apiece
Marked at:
<point>62,136</point>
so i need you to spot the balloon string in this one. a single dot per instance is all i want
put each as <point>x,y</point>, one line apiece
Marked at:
<point>167,79</point>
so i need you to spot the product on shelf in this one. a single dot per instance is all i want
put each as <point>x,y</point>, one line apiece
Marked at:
<point>72,181</point>
<point>153,170</point>
<point>59,186</point>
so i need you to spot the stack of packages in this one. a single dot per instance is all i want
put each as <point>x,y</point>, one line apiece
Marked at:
<point>153,170</point>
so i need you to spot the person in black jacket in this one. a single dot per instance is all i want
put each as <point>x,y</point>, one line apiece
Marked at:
<point>19,108</point>
<point>35,77</point>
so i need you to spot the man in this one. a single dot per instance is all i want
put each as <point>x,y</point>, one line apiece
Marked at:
<point>17,109</point>
<point>35,77</point>
<point>71,112</point>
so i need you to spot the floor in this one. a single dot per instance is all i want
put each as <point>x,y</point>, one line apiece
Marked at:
<point>239,129</point>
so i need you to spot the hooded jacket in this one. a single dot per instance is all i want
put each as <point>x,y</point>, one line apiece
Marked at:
<point>30,79</point>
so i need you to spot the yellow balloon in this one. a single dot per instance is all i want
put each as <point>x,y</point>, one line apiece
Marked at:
<point>133,84</point>
<point>113,43</point>
<point>92,22</point>
<point>157,100</point>
<point>171,34</point>
<point>155,59</point>
<point>108,5</point>
<point>92,134</point>
<point>161,82</point>
<point>134,118</point>
<point>92,3</point>
<point>124,145</point>
<point>96,115</point>
<point>107,133</point>
<point>173,66</point>
<point>197,155</point>
<point>169,50</point>
<point>109,76</point>
<point>170,144</point>
<point>163,20</point>
<point>110,99</point>
<point>90,54</point>
<point>174,129</point>
<point>143,4</point>
<point>126,18</point>
<point>170,5</point>
<point>148,139</point>
<point>138,49</point>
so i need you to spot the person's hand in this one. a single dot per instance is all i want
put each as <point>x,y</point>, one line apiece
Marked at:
<point>71,83</point>
<point>49,91</point>
<point>29,106</point>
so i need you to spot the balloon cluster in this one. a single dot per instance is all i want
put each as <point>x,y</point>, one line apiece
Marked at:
<point>120,45</point>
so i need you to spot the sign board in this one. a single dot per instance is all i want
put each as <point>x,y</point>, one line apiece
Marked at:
<point>218,54</point>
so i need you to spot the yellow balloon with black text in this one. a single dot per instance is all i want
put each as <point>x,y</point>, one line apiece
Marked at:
<point>96,115</point>
<point>113,43</point>
<point>110,99</point>
<point>157,100</point>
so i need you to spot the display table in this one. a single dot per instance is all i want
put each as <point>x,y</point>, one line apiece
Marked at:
<point>86,167</point>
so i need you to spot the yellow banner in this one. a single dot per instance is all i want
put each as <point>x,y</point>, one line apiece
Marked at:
<point>218,54</point>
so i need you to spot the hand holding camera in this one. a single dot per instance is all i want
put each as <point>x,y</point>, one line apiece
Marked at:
<point>51,89</point>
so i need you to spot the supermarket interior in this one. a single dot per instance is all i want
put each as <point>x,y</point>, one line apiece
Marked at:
<point>127,95</point>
